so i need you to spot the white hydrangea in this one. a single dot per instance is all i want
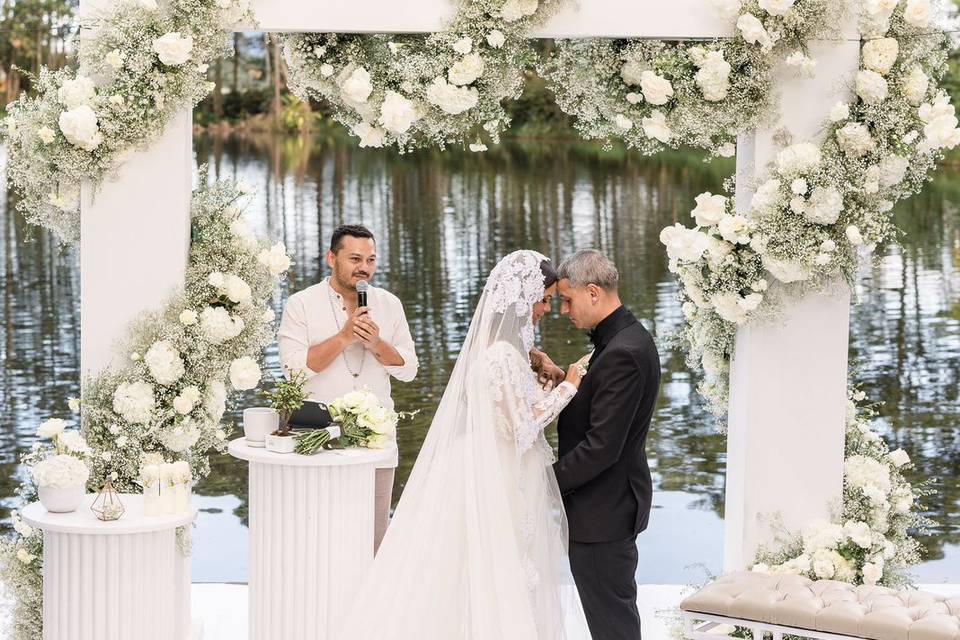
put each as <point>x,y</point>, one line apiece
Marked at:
<point>869,475</point>
<point>244,373</point>
<point>710,209</point>
<point>713,76</point>
<point>879,55</point>
<point>853,235</point>
<point>776,7</point>
<point>77,92</point>
<point>767,198</point>
<point>60,472</point>
<point>134,402</point>
<point>74,442</point>
<point>357,87</point>
<point>180,437</point>
<point>218,326</point>
<point>397,113</point>
<point>164,362</point>
<point>893,169</point>
<point>450,98</point>
<point>496,39</point>
<point>822,535</point>
<point>463,45</point>
<point>871,86</point>
<point>173,49</point>
<point>188,317</point>
<point>656,127</point>
<point>81,127</point>
<point>275,258</point>
<point>855,139</point>
<point>632,72</point>
<point>825,205</point>
<point>859,533</point>
<point>466,70</point>
<point>800,158</point>
<point>656,89</point>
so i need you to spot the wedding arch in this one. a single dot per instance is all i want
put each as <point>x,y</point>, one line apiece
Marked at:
<point>103,156</point>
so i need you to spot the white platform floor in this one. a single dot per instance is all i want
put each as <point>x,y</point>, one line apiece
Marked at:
<point>222,608</point>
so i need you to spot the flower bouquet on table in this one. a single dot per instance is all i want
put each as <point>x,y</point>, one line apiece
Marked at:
<point>285,400</point>
<point>363,422</point>
<point>60,471</point>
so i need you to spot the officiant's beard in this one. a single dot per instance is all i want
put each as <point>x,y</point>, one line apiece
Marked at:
<point>349,283</point>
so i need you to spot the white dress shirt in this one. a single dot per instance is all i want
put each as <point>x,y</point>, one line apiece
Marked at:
<point>316,314</point>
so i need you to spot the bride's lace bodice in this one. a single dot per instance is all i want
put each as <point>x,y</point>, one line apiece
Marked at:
<point>523,409</point>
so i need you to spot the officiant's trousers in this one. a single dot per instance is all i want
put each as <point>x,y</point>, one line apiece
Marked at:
<point>605,573</point>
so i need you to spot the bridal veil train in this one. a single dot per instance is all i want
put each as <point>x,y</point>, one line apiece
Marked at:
<point>477,549</point>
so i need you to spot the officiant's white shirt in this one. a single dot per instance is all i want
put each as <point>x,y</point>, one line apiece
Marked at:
<point>309,318</point>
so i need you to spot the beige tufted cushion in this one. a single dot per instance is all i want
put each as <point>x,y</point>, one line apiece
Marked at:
<point>829,606</point>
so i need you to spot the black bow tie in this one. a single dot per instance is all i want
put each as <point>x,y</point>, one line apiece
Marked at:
<point>594,336</point>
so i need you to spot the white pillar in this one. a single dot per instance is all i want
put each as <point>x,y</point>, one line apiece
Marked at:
<point>788,378</point>
<point>134,242</point>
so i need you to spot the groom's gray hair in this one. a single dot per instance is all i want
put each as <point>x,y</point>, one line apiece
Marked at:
<point>589,266</point>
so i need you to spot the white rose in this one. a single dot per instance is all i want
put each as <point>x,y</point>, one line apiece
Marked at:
<point>825,205</point>
<point>828,246</point>
<point>622,122</point>
<point>275,258</point>
<point>727,150</point>
<point>634,98</point>
<point>244,373</point>
<point>173,49</point>
<point>941,133</point>
<point>872,572</point>
<point>798,159</point>
<point>871,86</point>
<point>799,186</point>
<point>164,362</point>
<point>80,127</point>
<point>859,533</point>
<point>855,139</point>
<point>187,400</point>
<point>853,235</point>
<point>466,70</point>
<point>840,112</point>
<point>397,113</point>
<point>753,31</point>
<point>451,98</point>
<point>898,457</point>
<point>710,209</point>
<point>735,229</point>
<point>52,427</point>
<point>713,77</point>
<point>46,135</point>
<point>880,54</point>
<point>915,86</point>
<point>656,127</point>
<point>632,72</point>
<point>684,244</point>
<point>785,271</point>
<point>188,317</point>
<point>656,89</point>
<point>134,401</point>
<point>514,10</point>
<point>918,12</point>
<point>357,87</point>
<point>218,326</point>
<point>496,39</point>
<point>77,92</point>
<point>114,59</point>
<point>776,7</point>
<point>326,70</point>
<point>236,289</point>
<point>728,307</point>
<point>370,136</point>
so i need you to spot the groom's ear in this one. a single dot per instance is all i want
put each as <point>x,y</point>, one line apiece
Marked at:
<point>595,293</point>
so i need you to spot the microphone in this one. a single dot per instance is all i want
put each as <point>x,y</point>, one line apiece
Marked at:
<point>362,287</point>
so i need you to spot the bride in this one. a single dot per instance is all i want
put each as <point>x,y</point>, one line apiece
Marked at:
<point>477,549</point>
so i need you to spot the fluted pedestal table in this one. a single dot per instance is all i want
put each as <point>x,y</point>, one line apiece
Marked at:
<point>113,580</point>
<point>311,537</point>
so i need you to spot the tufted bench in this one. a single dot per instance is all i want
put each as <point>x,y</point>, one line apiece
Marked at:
<point>824,609</point>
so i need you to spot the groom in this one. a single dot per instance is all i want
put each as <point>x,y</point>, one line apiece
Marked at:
<point>602,470</point>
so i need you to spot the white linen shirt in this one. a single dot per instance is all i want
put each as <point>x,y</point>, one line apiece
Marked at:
<point>309,318</point>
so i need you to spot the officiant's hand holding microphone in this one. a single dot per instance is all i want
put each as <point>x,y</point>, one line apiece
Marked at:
<point>367,332</point>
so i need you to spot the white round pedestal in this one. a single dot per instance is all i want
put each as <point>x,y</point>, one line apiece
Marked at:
<point>311,537</point>
<point>113,580</point>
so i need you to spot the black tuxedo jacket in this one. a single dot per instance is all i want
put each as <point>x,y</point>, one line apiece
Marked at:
<point>602,470</point>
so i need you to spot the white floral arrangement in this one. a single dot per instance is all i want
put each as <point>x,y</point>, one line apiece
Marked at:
<point>364,422</point>
<point>823,207</point>
<point>61,464</point>
<point>869,542</point>
<point>422,90</point>
<point>61,471</point>
<point>655,95</point>
<point>165,405</point>
<point>146,63</point>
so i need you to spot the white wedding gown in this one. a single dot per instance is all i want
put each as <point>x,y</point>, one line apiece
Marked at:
<point>477,549</point>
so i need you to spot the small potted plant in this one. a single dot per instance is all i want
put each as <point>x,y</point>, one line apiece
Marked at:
<point>285,400</point>
<point>60,472</point>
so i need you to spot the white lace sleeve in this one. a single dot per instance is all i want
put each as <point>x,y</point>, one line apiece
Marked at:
<point>545,411</point>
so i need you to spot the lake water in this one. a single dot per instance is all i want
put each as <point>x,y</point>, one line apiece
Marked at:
<point>442,221</point>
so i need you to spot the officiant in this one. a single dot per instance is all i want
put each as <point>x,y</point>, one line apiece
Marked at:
<point>342,347</point>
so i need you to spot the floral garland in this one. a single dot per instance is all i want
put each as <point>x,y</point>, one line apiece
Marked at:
<point>416,91</point>
<point>824,205</point>
<point>81,125</point>
<point>167,402</point>
<point>870,541</point>
<point>655,95</point>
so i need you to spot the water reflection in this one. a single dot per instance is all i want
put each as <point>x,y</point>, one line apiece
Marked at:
<point>443,220</point>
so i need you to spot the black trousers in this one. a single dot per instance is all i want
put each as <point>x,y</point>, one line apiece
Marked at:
<point>605,573</point>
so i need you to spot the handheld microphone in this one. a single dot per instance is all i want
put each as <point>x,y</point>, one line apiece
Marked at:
<point>362,287</point>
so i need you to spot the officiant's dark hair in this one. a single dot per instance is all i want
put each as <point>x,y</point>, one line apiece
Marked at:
<point>549,274</point>
<point>352,230</point>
